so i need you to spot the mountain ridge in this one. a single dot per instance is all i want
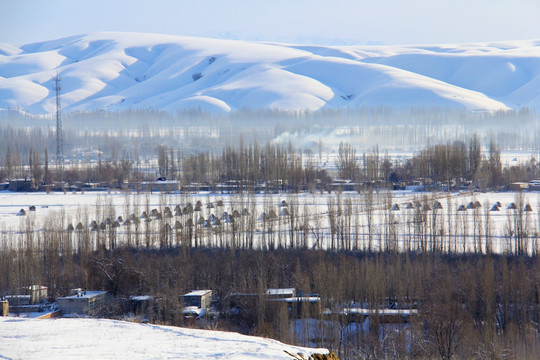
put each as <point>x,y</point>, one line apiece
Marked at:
<point>118,71</point>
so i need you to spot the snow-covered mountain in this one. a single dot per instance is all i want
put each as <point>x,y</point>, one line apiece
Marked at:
<point>117,71</point>
<point>109,339</point>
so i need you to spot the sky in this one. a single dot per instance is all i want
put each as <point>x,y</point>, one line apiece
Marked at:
<point>330,22</point>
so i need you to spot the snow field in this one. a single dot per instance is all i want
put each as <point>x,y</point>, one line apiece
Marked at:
<point>111,339</point>
<point>458,230</point>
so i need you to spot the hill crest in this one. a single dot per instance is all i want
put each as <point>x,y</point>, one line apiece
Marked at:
<point>119,71</point>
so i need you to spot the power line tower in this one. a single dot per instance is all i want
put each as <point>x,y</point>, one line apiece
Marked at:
<point>59,131</point>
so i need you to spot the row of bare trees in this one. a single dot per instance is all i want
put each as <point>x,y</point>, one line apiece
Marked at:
<point>370,221</point>
<point>278,166</point>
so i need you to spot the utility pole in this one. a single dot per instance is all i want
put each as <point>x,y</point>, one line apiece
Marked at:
<point>59,131</point>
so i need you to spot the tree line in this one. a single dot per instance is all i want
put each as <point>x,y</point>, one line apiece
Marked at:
<point>279,167</point>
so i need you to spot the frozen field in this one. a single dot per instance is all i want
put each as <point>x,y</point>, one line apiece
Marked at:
<point>390,220</point>
<point>110,339</point>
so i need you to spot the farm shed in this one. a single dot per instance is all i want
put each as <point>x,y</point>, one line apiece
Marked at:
<point>83,302</point>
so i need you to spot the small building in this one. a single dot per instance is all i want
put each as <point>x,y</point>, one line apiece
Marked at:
<point>28,295</point>
<point>280,293</point>
<point>139,305</point>
<point>160,186</point>
<point>299,306</point>
<point>534,185</point>
<point>384,316</point>
<point>518,186</point>
<point>18,300</point>
<point>244,304</point>
<point>21,185</point>
<point>4,308</point>
<point>197,302</point>
<point>82,303</point>
<point>37,293</point>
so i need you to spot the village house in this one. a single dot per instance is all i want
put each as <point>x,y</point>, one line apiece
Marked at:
<point>160,185</point>
<point>28,295</point>
<point>197,302</point>
<point>83,302</point>
<point>21,185</point>
<point>297,306</point>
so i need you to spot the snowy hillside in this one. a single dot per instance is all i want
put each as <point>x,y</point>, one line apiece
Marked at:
<point>117,71</point>
<point>109,339</point>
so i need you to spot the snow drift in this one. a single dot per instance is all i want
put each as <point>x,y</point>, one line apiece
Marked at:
<point>117,71</point>
<point>110,339</point>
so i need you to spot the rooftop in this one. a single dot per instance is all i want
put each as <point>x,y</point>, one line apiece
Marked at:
<point>198,292</point>
<point>84,295</point>
<point>287,291</point>
<point>382,312</point>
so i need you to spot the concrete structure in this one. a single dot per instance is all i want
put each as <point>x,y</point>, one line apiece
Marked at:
<point>21,185</point>
<point>160,186</point>
<point>18,300</point>
<point>298,307</point>
<point>83,302</point>
<point>198,298</point>
<point>392,316</point>
<point>534,185</point>
<point>37,293</point>
<point>197,302</point>
<point>28,295</point>
<point>139,305</point>
<point>280,293</point>
<point>4,308</point>
<point>27,299</point>
<point>519,186</point>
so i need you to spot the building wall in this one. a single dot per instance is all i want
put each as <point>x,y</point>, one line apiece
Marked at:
<point>37,293</point>
<point>197,300</point>
<point>21,185</point>
<point>4,308</point>
<point>81,305</point>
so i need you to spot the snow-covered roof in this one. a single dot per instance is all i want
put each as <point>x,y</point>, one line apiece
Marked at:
<point>17,296</point>
<point>311,299</point>
<point>160,182</point>
<point>364,311</point>
<point>198,292</point>
<point>303,299</point>
<point>287,291</point>
<point>84,295</point>
<point>36,287</point>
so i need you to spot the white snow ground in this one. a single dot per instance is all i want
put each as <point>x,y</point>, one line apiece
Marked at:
<point>110,339</point>
<point>117,71</point>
